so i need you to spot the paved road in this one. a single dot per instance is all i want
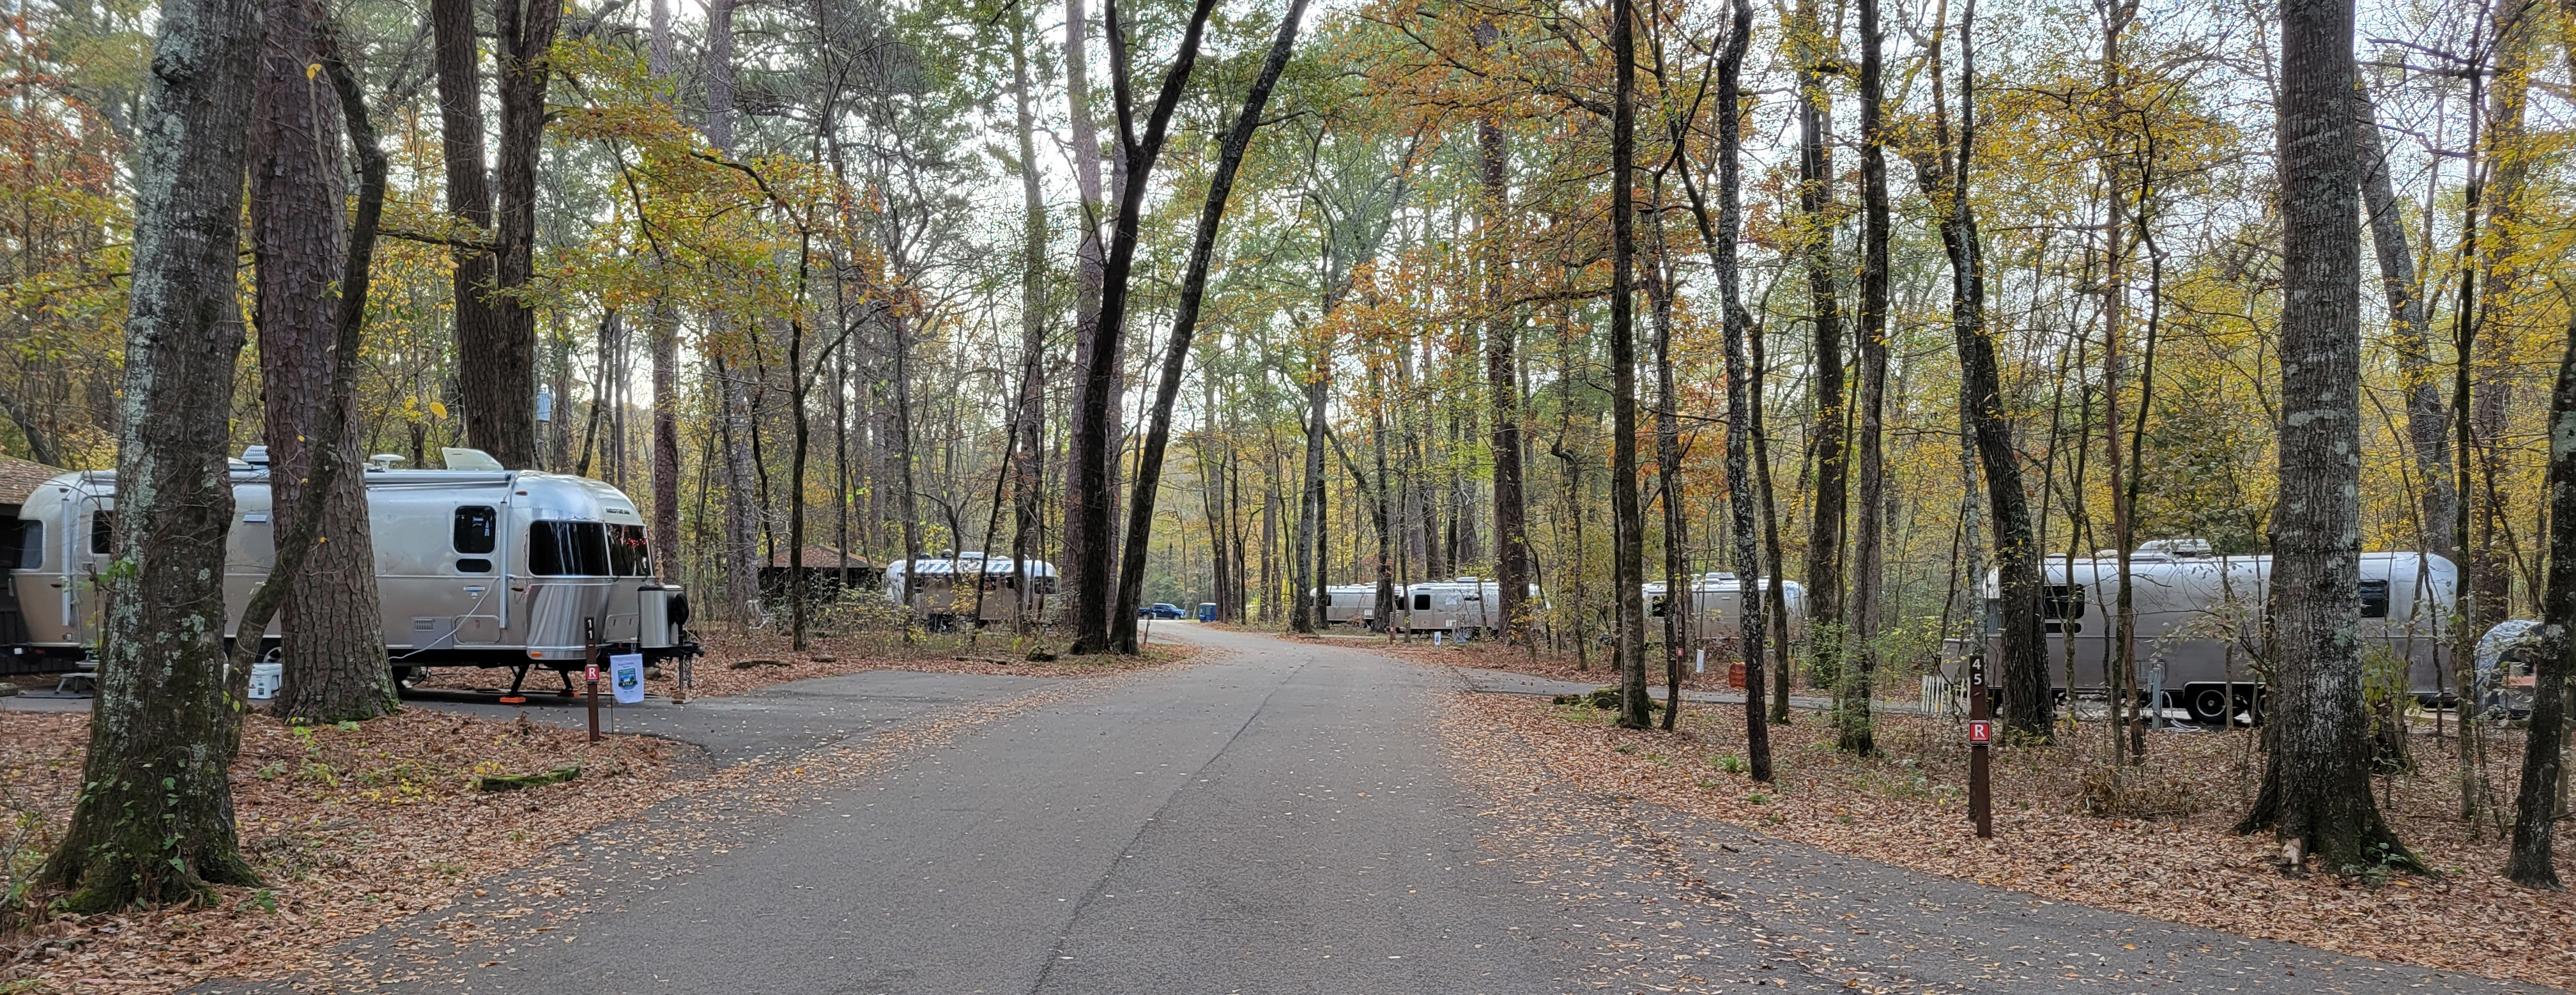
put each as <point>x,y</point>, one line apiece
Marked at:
<point>1284,819</point>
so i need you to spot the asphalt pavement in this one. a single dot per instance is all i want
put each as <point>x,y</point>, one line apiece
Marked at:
<point>1286,817</point>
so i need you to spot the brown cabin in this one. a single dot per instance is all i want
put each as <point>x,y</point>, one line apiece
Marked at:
<point>828,572</point>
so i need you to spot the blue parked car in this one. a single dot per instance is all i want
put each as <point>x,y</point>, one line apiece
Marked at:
<point>1159,609</point>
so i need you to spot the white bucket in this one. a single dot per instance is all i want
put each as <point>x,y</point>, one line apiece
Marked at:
<point>264,678</point>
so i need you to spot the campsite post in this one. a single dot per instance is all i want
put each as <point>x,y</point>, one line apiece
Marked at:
<point>590,671</point>
<point>1981,732</point>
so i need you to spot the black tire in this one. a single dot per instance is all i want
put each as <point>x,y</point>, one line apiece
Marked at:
<point>2207,703</point>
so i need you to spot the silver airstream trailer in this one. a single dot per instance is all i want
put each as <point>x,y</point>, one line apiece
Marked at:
<point>474,567</point>
<point>2198,615</point>
<point>939,599</point>
<point>1348,604</point>
<point>1717,606</point>
<point>1463,606</point>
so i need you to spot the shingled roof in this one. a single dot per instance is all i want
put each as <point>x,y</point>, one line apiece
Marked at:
<point>19,478</point>
<point>821,558</point>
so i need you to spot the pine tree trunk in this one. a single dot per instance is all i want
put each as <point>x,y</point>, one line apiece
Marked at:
<point>2316,785</point>
<point>1660,288</point>
<point>333,631</point>
<point>469,200</point>
<point>154,819</point>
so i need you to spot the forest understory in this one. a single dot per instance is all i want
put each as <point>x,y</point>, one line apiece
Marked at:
<point>2162,846</point>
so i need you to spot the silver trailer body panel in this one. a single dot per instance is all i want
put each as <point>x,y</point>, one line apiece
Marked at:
<point>932,588</point>
<point>473,568</point>
<point>1717,607</point>
<point>2200,619</point>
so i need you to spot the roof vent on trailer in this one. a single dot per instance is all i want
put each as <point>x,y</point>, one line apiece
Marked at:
<point>255,455</point>
<point>381,462</point>
<point>460,458</point>
<point>2180,549</point>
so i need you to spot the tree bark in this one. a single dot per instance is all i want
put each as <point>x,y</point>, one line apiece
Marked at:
<point>666,362</point>
<point>153,822</point>
<point>2426,420</point>
<point>1502,373</point>
<point>1025,454</point>
<point>1661,285</point>
<point>1860,661</point>
<point>1628,527</point>
<point>2028,697</point>
<point>1816,246</point>
<point>1720,240</point>
<point>469,201</point>
<point>1185,318</point>
<point>332,645</point>
<point>1097,365</point>
<point>2532,863</point>
<point>1091,260</point>
<point>2316,783</point>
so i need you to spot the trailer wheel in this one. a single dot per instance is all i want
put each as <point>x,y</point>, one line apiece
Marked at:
<point>2207,703</point>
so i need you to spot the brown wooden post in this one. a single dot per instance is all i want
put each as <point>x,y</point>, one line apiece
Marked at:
<point>1981,731</point>
<point>590,671</point>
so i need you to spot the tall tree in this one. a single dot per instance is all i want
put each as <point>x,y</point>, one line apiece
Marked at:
<point>666,364</point>
<point>1090,268</point>
<point>498,373</point>
<point>1627,518</point>
<point>1185,318</point>
<point>1031,422</point>
<point>2427,436</point>
<point>1096,366</point>
<point>1502,372</point>
<point>1816,252</point>
<point>2029,699</point>
<point>469,200</point>
<point>2535,821</point>
<point>1860,659</point>
<point>333,646</point>
<point>154,818</point>
<point>2316,782</point>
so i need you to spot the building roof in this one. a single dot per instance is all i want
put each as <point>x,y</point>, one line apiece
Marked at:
<point>823,558</point>
<point>19,478</point>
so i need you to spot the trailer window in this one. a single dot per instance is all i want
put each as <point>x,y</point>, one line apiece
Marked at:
<point>568,549</point>
<point>2374,599</point>
<point>628,556</point>
<point>2061,605</point>
<point>1422,602</point>
<point>31,545</point>
<point>478,529</point>
<point>102,532</point>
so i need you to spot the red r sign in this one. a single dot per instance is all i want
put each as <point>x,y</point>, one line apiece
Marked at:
<point>1981,731</point>
<point>590,672</point>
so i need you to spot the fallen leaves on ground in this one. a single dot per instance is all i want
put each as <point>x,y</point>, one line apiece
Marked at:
<point>1908,806</point>
<point>350,826</point>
